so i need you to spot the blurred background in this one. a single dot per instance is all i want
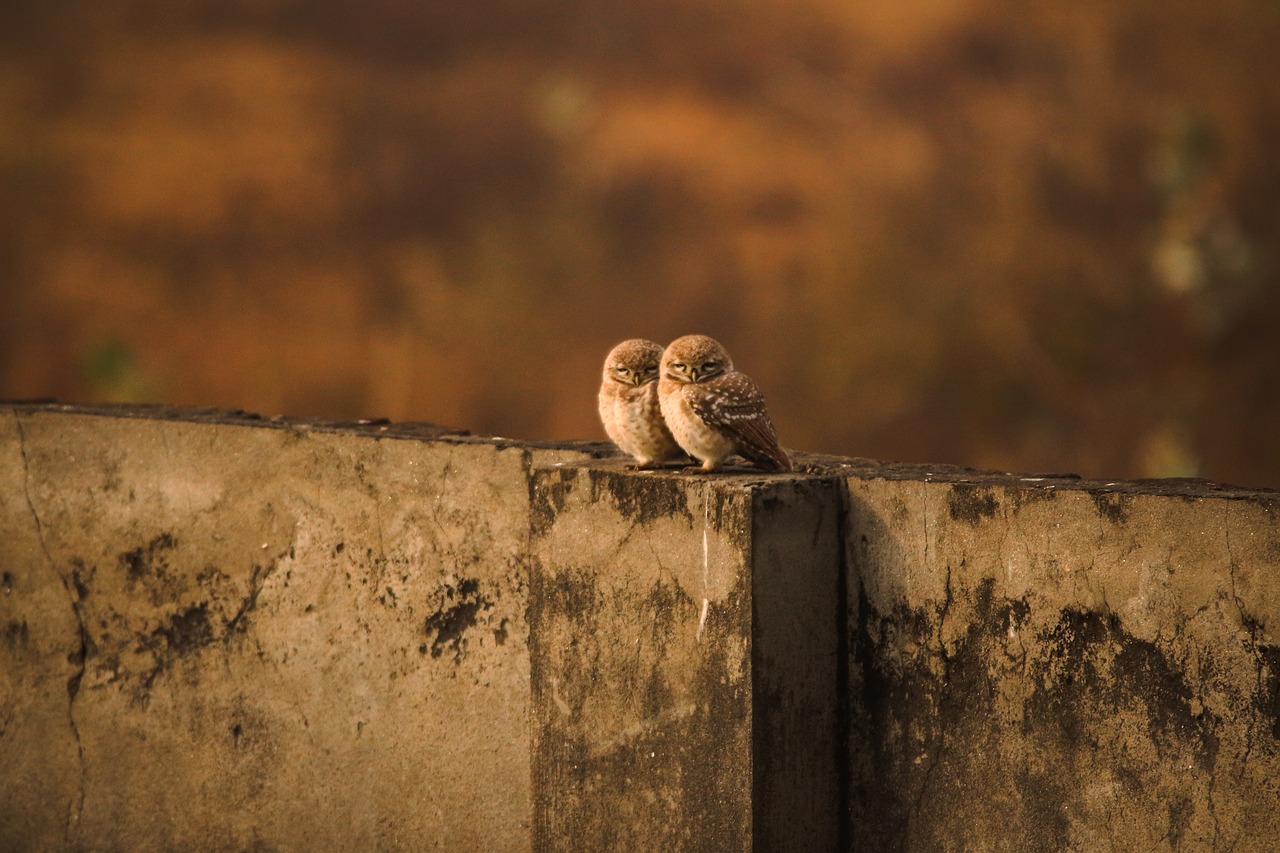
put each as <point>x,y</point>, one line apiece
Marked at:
<point>1040,236</point>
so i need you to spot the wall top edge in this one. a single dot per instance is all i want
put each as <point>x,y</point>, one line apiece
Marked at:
<point>600,455</point>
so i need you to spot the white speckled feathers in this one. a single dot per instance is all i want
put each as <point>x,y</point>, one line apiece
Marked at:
<point>732,402</point>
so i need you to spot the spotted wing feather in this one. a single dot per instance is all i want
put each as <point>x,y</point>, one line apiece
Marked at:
<point>733,404</point>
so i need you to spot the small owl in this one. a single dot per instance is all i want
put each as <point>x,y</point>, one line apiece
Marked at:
<point>713,410</point>
<point>629,403</point>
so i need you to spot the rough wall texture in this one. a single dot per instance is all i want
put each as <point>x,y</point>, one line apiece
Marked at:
<point>684,635</point>
<point>224,637</point>
<point>218,632</point>
<point>1043,664</point>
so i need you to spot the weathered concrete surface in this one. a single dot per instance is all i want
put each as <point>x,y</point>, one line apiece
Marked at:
<point>1046,664</point>
<point>221,637</point>
<point>222,632</point>
<point>684,636</point>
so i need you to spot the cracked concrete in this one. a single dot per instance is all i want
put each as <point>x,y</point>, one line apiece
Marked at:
<point>222,634</point>
<point>78,656</point>
<point>1097,662</point>
<point>218,631</point>
<point>43,653</point>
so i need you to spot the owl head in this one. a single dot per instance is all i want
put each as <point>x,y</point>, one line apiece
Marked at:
<point>633,362</point>
<point>695,358</point>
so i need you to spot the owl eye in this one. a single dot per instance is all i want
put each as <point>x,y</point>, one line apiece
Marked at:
<point>679,365</point>
<point>622,369</point>
<point>709,365</point>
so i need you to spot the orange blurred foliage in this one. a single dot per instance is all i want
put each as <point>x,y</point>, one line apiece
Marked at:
<point>1027,237</point>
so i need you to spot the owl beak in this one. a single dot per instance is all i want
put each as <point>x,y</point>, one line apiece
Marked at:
<point>693,374</point>
<point>637,378</point>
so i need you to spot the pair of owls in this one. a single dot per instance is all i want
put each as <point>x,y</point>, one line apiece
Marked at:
<point>659,404</point>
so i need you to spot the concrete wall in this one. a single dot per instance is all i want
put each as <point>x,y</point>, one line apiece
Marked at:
<point>224,634</point>
<point>219,632</point>
<point>1045,664</point>
<point>684,634</point>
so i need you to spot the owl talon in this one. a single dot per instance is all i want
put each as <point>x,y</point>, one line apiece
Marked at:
<point>658,464</point>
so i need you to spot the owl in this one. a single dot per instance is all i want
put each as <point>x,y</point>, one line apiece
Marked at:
<point>628,402</point>
<point>713,410</point>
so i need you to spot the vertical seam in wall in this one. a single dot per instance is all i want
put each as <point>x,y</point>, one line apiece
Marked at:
<point>753,684</point>
<point>844,832</point>
<point>75,810</point>
<point>537,808</point>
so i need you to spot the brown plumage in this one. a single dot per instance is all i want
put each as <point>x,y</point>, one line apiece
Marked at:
<point>713,410</point>
<point>628,403</point>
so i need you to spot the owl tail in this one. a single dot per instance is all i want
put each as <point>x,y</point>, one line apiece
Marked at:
<point>771,457</point>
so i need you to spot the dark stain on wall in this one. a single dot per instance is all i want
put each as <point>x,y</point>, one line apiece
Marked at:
<point>182,634</point>
<point>586,777</point>
<point>925,720</point>
<point>1092,668</point>
<point>1025,496</point>
<point>148,559</point>
<point>970,503</point>
<point>81,575</point>
<point>642,499</point>
<point>1268,694</point>
<point>458,610</point>
<point>548,490</point>
<point>15,633</point>
<point>1113,506</point>
<point>187,630</point>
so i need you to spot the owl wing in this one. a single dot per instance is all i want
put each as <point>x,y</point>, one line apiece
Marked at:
<point>733,404</point>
